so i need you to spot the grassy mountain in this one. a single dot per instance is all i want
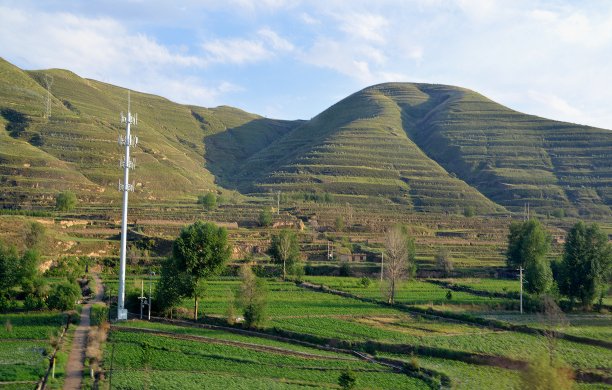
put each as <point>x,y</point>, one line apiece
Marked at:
<point>426,147</point>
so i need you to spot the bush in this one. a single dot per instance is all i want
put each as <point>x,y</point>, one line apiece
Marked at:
<point>265,218</point>
<point>99,314</point>
<point>35,235</point>
<point>364,282</point>
<point>347,380</point>
<point>33,302</point>
<point>65,201</point>
<point>64,296</point>
<point>209,201</point>
<point>345,269</point>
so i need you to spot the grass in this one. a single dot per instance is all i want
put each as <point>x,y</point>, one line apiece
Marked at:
<point>414,292</point>
<point>25,344</point>
<point>424,147</point>
<point>467,376</point>
<point>141,359</point>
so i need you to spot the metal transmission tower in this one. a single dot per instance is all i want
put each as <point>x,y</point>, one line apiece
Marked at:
<point>126,187</point>
<point>48,83</point>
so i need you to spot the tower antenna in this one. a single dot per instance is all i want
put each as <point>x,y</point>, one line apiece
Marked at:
<point>125,187</point>
<point>48,84</point>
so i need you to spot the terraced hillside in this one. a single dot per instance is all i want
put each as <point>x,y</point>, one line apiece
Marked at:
<point>76,147</point>
<point>420,146</point>
<point>359,149</point>
<point>515,158</point>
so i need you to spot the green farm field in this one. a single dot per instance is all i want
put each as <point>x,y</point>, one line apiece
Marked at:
<point>25,347</point>
<point>161,362</point>
<point>333,319</point>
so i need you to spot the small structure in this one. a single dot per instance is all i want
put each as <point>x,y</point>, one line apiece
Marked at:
<point>353,257</point>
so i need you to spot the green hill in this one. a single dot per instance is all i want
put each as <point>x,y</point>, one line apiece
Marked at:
<point>425,147</point>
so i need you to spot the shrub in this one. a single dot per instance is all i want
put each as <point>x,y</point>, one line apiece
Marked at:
<point>265,218</point>
<point>208,201</point>
<point>33,302</point>
<point>35,235</point>
<point>64,296</point>
<point>65,201</point>
<point>469,211</point>
<point>99,314</point>
<point>347,380</point>
<point>364,282</point>
<point>345,269</point>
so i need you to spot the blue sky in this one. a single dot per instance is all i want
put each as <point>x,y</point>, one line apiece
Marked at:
<point>291,59</point>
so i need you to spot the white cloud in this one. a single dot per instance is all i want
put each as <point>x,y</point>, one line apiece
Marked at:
<point>275,40</point>
<point>104,49</point>
<point>243,51</point>
<point>555,105</point>
<point>366,26</point>
<point>236,51</point>
<point>308,19</point>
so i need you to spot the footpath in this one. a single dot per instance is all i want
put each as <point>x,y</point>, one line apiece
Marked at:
<point>74,370</point>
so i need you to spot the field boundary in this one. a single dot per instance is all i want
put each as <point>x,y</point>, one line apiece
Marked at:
<point>431,377</point>
<point>483,322</point>
<point>42,383</point>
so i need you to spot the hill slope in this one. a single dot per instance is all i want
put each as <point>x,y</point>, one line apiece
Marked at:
<point>427,147</point>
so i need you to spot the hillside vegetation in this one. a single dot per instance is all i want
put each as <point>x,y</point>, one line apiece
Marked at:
<point>420,146</point>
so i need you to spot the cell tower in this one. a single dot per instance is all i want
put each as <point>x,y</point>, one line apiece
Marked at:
<point>48,83</point>
<point>126,187</point>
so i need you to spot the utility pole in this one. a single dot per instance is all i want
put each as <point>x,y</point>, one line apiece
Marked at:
<point>151,274</point>
<point>278,203</point>
<point>126,187</point>
<point>521,278</point>
<point>141,297</point>
<point>382,263</point>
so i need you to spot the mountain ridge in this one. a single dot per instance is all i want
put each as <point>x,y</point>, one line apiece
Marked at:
<point>428,147</point>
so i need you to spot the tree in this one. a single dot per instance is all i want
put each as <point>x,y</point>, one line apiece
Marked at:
<point>9,268</point>
<point>34,235</point>
<point>65,201</point>
<point>444,261</point>
<point>265,218</point>
<point>526,241</point>
<point>201,250</point>
<point>29,276</point>
<point>63,296</point>
<point>528,244</point>
<point>347,380</point>
<point>586,266</point>
<point>399,260</point>
<point>339,223</point>
<point>209,201</point>
<point>285,250</point>
<point>542,373</point>
<point>172,286</point>
<point>252,298</point>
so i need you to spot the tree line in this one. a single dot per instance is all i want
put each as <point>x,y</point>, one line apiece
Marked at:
<point>582,274</point>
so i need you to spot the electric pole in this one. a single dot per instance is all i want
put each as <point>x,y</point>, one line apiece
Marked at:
<point>521,278</point>
<point>141,297</point>
<point>151,274</point>
<point>278,203</point>
<point>126,187</point>
<point>382,263</point>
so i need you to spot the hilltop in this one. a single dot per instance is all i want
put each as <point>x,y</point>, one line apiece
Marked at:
<point>423,147</point>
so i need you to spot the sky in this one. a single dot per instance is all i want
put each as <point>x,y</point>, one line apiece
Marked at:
<point>292,59</point>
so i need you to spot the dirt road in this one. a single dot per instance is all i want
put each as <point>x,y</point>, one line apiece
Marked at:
<point>74,370</point>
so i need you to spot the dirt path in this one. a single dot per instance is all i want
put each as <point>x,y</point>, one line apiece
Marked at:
<point>74,369</point>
